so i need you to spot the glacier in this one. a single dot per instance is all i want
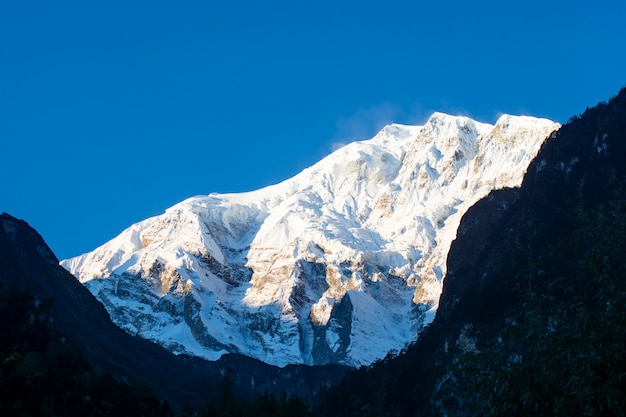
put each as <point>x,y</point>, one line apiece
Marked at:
<point>342,263</point>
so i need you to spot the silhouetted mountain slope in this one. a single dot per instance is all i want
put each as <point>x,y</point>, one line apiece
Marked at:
<point>28,266</point>
<point>531,319</point>
<point>537,281</point>
<point>574,167</point>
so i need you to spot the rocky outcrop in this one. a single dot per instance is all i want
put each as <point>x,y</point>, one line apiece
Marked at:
<point>28,265</point>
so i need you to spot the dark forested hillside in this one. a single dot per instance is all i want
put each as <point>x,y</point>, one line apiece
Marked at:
<point>41,373</point>
<point>531,319</point>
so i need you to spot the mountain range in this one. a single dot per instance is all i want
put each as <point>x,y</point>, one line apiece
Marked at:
<point>342,263</point>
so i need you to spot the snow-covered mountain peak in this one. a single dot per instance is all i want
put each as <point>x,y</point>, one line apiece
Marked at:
<point>447,126</point>
<point>341,263</point>
<point>394,132</point>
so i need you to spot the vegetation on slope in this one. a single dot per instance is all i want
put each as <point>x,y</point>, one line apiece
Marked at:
<point>42,375</point>
<point>563,352</point>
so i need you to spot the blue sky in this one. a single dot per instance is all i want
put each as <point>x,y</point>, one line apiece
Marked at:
<point>112,111</point>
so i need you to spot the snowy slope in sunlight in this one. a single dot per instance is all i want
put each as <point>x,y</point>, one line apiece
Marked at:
<point>342,263</point>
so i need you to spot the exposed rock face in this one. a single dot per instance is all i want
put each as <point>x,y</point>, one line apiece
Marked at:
<point>28,264</point>
<point>341,264</point>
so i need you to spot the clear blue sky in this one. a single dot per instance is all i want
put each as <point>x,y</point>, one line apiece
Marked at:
<point>112,111</point>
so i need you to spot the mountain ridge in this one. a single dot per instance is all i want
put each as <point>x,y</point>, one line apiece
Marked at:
<point>342,263</point>
<point>531,319</point>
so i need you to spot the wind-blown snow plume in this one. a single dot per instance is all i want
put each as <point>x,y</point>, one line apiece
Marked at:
<point>342,263</point>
